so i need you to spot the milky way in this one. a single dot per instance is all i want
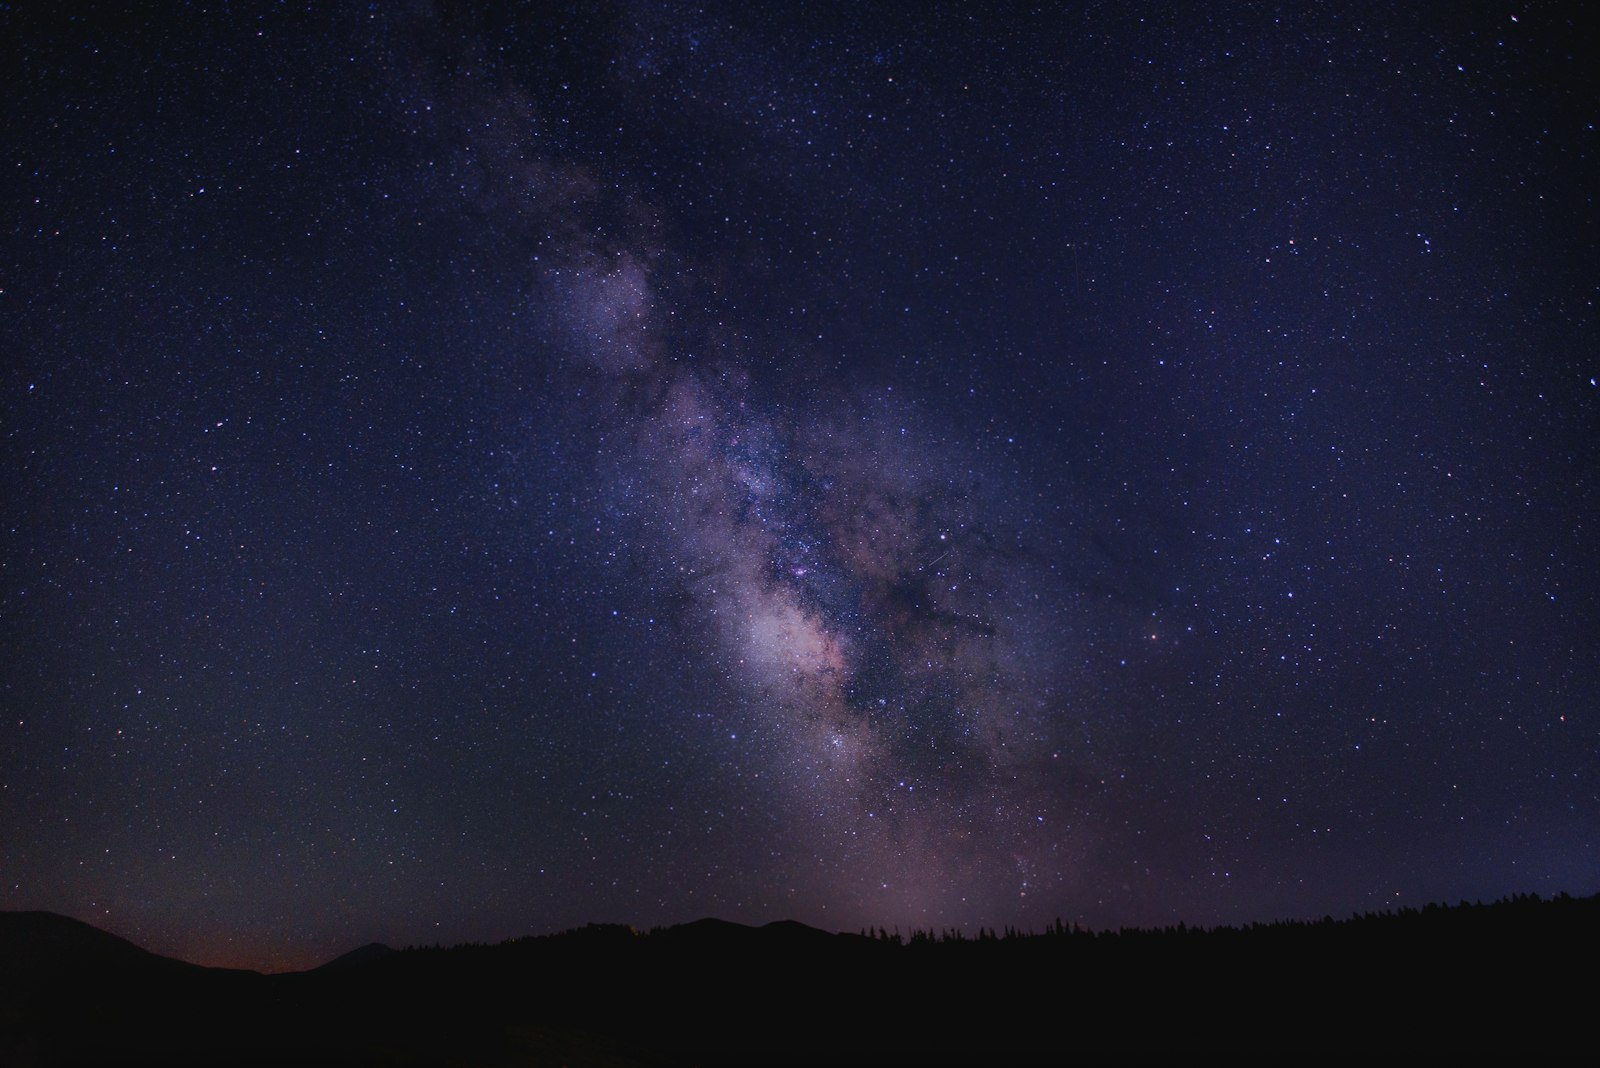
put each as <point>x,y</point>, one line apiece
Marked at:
<point>480,469</point>
<point>880,632</point>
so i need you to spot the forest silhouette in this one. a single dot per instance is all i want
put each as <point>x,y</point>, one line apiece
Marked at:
<point>1513,978</point>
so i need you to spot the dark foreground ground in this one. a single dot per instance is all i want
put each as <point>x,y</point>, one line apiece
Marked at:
<point>1517,978</point>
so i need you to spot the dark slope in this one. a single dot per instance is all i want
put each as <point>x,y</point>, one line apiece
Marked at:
<point>360,957</point>
<point>1479,980</point>
<point>70,992</point>
<point>43,945</point>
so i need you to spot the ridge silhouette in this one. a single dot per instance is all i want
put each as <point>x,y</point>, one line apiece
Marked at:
<point>1439,981</point>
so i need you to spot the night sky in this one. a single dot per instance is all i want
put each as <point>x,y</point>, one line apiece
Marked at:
<point>469,472</point>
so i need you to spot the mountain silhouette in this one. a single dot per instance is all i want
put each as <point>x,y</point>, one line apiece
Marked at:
<point>42,945</point>
<point>356,958</point>
<point>1437,982</point>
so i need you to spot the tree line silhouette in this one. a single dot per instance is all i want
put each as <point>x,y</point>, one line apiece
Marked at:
<point>1515,909</point>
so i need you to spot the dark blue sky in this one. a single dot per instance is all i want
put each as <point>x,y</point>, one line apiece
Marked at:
<point>469,474</point>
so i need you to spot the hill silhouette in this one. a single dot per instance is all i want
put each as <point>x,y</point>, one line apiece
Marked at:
<point>1508,979</point>
<point>370,953</point>
<point>43,945</point>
